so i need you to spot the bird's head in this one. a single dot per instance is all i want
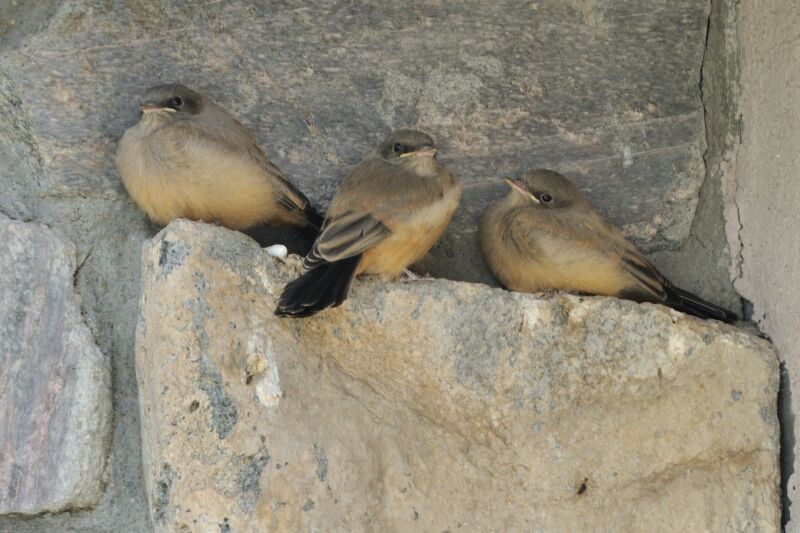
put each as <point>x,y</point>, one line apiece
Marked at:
<point>171,101</point>
<point>412,149</point>
<point>545,189</point>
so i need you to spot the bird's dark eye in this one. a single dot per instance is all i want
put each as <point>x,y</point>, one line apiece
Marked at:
<point>177,102</point>
<point>546,198</point>
<point>398,148</point>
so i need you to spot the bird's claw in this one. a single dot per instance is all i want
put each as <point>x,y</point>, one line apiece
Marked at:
<point>410,277</point>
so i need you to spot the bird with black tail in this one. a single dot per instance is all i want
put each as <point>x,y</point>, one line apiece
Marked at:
<point>387,214</point>
<point>545,235</point>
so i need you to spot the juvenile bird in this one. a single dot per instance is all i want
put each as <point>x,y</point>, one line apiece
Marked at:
<point>188,158</point>
<point>545,235</point>
<point>387,214</point>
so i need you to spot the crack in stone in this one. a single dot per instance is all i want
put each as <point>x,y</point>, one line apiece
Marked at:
<point>739,266</point>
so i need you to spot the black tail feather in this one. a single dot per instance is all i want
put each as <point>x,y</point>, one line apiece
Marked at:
<point>687,302</point>
<point>313,223</point>
<point>325,286</point>
<point>314,217</point>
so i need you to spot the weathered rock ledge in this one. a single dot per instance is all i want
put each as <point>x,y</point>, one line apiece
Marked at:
<point>438,406</point>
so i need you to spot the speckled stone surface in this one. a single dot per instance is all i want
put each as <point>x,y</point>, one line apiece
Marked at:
<point>55,384</point>
<point>606,92</point>
<point>438,405</point>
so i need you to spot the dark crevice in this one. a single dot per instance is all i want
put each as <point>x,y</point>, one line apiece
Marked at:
<point>747,311</point>
<point>702,74</point>
<point>3,213</point>
<point>76,275</point>
<point>786,422</point>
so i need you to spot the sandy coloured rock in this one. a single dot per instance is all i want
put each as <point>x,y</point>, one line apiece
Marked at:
<point>440,405</point>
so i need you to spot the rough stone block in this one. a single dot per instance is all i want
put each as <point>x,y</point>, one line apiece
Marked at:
<point>441,405</point>
<point>55,384</point>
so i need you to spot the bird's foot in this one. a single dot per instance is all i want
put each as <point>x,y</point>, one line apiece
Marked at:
<point>549,294</point>
<point>410,277</point>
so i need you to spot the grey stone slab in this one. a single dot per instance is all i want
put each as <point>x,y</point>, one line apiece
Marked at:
<point>55,383</point>
<point>21,167</point>
<point>605,91</point>
<point>22,18</point>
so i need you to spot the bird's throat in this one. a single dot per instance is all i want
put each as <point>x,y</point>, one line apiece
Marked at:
<point>153,120</point>
<point>425,166</point>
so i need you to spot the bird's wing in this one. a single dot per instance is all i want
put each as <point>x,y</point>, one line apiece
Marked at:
<point>650,285</point>
<point>385,190</point>
<point>595,239</point>
<point>647,282</point>
<point>344,236</point>
<point>289,196</point>
<point>371,200</point>
<point>227,137</point>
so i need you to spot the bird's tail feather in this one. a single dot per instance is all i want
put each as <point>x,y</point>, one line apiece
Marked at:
<point>313,223</point>
<point>266,234</point>
<point>694,305</point>
<point>325,286</point>
<point>314,217</point>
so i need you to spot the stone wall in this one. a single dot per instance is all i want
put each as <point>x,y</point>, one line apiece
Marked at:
<point>630,99</point>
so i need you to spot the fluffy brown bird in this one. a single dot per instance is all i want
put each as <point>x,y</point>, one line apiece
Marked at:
<point>387,214</point>
<point>545,235</point>
<point>188,158</point>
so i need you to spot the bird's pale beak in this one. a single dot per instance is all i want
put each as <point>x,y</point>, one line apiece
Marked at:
<point>424,151</point>
<point>428,151</point>
<point>149,107</point>
<point>521,188</point>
